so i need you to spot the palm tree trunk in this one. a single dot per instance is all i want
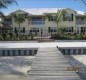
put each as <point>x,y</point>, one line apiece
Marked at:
<point>57,29</point>
<point>19,29</point>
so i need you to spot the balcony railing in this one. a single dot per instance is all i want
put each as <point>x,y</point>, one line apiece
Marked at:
<point>9,23</point>
<point>80,23</point>
<point>37,22</point>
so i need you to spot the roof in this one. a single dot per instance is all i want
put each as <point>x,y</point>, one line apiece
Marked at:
<point>80,12</point>
<point>41,11</point>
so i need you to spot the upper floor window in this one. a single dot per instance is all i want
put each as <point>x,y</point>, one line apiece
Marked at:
<point>79,19</point>
<point>51,18</point>
<point>8,20</point>
<point>37,21</point>
<point>68,17</point>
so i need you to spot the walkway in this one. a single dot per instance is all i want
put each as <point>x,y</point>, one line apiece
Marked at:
<point>50,64</point>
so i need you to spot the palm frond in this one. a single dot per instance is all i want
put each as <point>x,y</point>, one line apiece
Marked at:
<point>6,3</point>
<point>83,1</point>
<point>1,14</point>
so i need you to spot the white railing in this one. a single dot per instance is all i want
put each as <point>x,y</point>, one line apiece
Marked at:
<point>37,22</point>
<point>80,23</point>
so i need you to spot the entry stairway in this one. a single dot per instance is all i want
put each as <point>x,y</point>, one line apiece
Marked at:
<point>50,64</point>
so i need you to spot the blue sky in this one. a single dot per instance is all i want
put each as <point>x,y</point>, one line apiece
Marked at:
<point>78,5</point>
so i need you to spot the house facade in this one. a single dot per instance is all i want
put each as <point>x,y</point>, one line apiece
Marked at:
<point>42,21</point>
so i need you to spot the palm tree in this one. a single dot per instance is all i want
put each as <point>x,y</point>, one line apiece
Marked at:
<point>62,31</point>
<point>20,18</point>
<point>6,3</point>
<point>59,17</point>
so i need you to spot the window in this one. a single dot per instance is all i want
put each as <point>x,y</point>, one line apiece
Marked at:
<point>34,30</point>
<point>8,20</point>
<point>4,31</point>
<point>15,30</point>
<point>37,21</point>
<point>68,17</point>
<point>83,29</point>
<point>52,29</point>
<point>79,19</point>
<point>22,29</point>
<point>69,29</point>
<point>51,18</point>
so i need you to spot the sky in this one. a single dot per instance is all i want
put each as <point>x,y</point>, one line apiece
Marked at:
<point>25,4</point>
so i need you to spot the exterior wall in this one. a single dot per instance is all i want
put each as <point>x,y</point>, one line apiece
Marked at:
<point>45,27</point>
<point>69,23</point>
<point>50,24</point>
<point>24,24</point>
<point>81,23</point>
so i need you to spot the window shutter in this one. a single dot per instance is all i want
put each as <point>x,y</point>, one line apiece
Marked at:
<point>31,31</point>
<point>49,17</point>
<point>23,29</point>
<point>15,30</point>
<point>63,17</point>
<point>49,29</point>
<point>72,29</point>
<point>37,30</point>
<point>72,16</point>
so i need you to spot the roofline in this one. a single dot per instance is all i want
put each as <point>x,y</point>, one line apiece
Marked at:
<point>19,10</point>
<point>48,13</point>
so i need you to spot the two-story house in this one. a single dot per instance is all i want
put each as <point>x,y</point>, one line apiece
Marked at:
<point>42,21</point>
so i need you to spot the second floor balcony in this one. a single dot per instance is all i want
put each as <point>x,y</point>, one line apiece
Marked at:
<point>36,22</point>
<point>80,23</point>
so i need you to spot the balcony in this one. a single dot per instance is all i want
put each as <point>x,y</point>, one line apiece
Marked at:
<point>36,22</point>
<point>80,23</point>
